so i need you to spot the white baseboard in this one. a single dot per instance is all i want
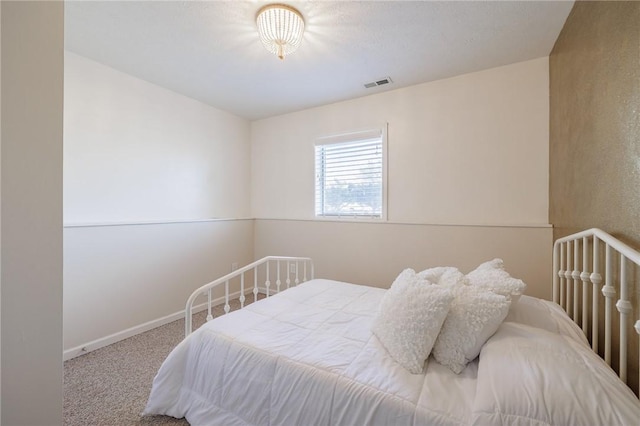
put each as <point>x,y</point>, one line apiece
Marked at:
<point>129,332</point>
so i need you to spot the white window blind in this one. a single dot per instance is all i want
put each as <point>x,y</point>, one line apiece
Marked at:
<point>350,175</point>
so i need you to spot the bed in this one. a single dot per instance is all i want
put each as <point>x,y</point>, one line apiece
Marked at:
<point>308,353</point>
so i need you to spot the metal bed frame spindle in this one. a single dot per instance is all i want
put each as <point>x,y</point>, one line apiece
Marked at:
<point>301,268</point>
<point>568,277</point>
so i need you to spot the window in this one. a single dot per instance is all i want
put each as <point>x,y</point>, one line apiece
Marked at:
<point>350,175</point>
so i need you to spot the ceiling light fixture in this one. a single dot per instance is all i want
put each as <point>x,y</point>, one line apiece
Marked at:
<point>280,28</point>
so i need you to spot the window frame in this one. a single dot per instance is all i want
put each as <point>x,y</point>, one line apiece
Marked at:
<point>354,136</point>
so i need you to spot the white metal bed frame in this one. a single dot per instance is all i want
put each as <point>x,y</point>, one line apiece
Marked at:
<point>296,267</point>
<point>573,269</point>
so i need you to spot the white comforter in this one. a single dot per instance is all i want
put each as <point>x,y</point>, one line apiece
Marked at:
<point>307,356</point>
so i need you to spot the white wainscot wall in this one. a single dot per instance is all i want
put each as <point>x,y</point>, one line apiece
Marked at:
<point>121,280</point>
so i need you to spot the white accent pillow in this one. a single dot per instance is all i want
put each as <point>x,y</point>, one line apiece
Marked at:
<point>409,319</point>
<point>492,276</point>
<point>443,275</point>
<point>474,316</point>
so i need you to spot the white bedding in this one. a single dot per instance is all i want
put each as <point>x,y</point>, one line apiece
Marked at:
<point>307,356</point>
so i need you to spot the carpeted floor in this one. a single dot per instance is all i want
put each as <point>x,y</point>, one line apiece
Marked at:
<point>110,386</point>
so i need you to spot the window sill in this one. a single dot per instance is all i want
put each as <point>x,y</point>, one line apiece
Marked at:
<point>365,219</point>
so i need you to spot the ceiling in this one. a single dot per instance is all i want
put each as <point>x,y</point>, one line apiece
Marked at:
<point>210,50</point>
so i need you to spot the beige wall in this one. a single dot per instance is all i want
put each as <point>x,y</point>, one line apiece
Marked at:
<point>31,219</point>
<point>595,121</point>
<point>374,254</point>
<point>472,149</point>
<point>468,179</point>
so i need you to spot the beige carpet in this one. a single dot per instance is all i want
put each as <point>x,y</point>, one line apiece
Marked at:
<point>110,386</point>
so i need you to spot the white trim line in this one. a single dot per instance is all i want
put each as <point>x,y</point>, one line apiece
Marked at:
<point>343,219</point>
<point>150,222</point>
<point>364,220</point>
<point>138,329</point>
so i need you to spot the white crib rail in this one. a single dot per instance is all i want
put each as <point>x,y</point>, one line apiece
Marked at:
<point>301,268</point>
<point>565,280</point>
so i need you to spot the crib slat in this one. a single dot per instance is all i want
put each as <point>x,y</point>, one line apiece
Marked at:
<point>575,274</point>
<point>209,316</point>
<point>255,284</point>
<point>609,293</point>
<point>288,281</point>
<point>567,276</point>
<point>226,297</point>
<point>242,291</point>
<point>637,327</point>
<point>624,308</point>
<point>278,276</point>
<point>584,276</point>
<point>560,274</point>
<point>596,279</point>
<point>555,277</point>
<point>267,283</point>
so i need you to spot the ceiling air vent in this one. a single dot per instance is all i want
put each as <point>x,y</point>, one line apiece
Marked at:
<point>380,82</point>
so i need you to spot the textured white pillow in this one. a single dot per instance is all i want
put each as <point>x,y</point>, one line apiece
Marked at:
<point>443,275</point>
<point>492,276</point>
<point>474,316</point>
<point>409,319</point>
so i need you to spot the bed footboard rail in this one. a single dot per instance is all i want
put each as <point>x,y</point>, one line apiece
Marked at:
<point>281,271</point>
<point>584,267</point>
